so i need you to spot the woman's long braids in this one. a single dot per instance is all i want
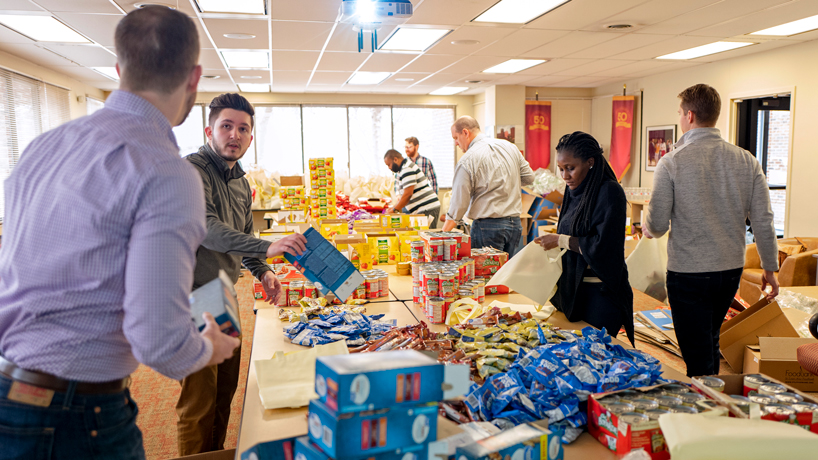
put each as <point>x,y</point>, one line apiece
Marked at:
<point>583,146</point>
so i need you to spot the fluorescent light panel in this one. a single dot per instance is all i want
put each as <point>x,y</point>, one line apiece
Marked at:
<point>368,78</point>
<point>514,65</point>
<point>109,72</point>
<point>448,90</point>
<point>791,28</point>
<point>246,59</point>
<point>254,87</point>
<point>705,50</point>
<point>518,11</point>
<point>232,6</point>
<point>413,39</point>
<point>42,28</point>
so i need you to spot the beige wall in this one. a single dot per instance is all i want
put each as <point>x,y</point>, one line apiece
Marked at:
<point>77,89</point>
<point>774,71</point>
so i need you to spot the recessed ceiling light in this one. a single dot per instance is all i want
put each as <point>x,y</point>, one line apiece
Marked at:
<point>448,90</point>
<point>211,77</point>
<point>246,59</point>
<point>413,39</point>
<point>240,36</point>
<point>791,28</point>
<point>465,42</point>
<point>42,28</point>
<point>368,78</point>
<point>251,77</point>
<point>254,87</point>
<point>514,65</point>
<point>232,6</point>
<point>705,50</point>
<point>109,72</point>
<point>144,4</point>
<point>518,11</point>
<point>404,79</point>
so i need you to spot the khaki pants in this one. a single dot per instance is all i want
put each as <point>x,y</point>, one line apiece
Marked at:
<point>203,408</point>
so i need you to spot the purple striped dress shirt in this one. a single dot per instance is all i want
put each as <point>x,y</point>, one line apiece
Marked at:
<point>103,219</point>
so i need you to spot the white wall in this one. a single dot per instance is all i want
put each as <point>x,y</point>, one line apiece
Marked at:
<point>794,66</point>
<point>571,110</point>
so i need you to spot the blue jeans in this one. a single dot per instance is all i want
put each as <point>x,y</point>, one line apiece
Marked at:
<point>502,233</point>
<point>72,427</point>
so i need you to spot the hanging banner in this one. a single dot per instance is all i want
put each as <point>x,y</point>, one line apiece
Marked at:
<point>621,135</point>
<point>538,134</point>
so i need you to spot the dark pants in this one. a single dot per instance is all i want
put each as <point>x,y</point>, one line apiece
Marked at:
<point>600,311</point>
<point>203,408</point>
<point>72,427</point>
<point>502,233</point>
<point>699,302</point>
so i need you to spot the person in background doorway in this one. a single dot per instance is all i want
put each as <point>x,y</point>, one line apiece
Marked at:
<point>486,187</point>
<point>706,188</point>
<point>113,292</point>
<point>203,408</point>
<point>425,164</point>
<point>594,284</point>
<point>417,196</point>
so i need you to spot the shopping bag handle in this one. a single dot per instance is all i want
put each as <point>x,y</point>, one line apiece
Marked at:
<point>559,256</point>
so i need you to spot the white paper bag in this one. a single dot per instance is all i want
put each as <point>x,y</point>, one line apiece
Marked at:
<point>533,273</point>
<point>647,267</point>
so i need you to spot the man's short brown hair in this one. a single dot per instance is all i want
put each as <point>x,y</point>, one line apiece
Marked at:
<point>156,48</point>
<point>391,154</point>
<point>230,101</point>
<point>704,101</point>
<point>413,140</point>
<point>466,122</point>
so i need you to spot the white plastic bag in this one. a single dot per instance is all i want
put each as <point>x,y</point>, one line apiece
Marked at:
<point>533,273</point>
<point>647,267</point>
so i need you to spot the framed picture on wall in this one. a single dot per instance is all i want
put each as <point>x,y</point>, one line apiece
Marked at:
<point>660,140</point>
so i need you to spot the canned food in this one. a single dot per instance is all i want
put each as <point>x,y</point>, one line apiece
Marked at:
<point>706,404</point>
<point>778,409</point>
<point>360,291</point>
<point>713,383</point>
<point>295,293</point>
<point>691,398</point>
<point>788,398</point>
<point>465,294</point>
<point>384,282</point>
<point>752,382</point>
<point>435,251</point>
<point>673,389</point>
<point>805,407</point>
<point>309,290</point>
<point>761,399</point>
<point>450,249</point>
<point>619,408</point>
<point>633,418</point>
<point>434,309</point>
<point>682,410</point>
<point>667,401</point>
<point>431,283</point>
<point>771,389</point>
<point>480,290</point>
<point>742,402</point>
<point>654,414</point>
<point>644,404</point>
<point>416,252</point>
<point>446,285</point>
<point>373,287</point>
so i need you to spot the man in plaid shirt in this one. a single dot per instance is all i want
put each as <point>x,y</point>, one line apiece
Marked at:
<point>423,163</point>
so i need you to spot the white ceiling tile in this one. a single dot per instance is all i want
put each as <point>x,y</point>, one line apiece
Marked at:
<point>570,44</point>
<point>387,62</point>
<point>516,79</point>
<point>619,45</point>
<point>222,74</point>
<point>655,11</point>
<point>716,13</point>
<point>295,60</point>
<point>545,81</point>
<point>432,63</point>
<point>445,79</point>
<point>579,82</point>
<point>219,27</point>
<point>97,27</point>
<point>666,47</point>
<point>454,11</point>
<point>337,61</point>
<point>290,89</point>
<point>556,65</point>
<point>77,6</point>
<point>19,5</point>
<point>521,41</point>
<point>393,80</point>
<point>485,77</point>
<point>83,74</point>
<point>237,74</point>
<point>346,39</point>
<point>578,14</point>
<point>209,59</point>
<point>305,10</point>
<point>330,78</point>
<point>288,78</point>
<point>594,67</point>
<point>309,36</point>
<point>761,20</point>
<point>218,86</point>
<point>182,5</point>
<point>420,89</point>
<point>634,68</point>
<point>86,55</point>
<point>35,54</point>
<point>474,64</point>
<point>483,35</point>
<point>313,88</point>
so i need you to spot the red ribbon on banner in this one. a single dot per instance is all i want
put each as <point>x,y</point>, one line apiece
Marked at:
<point>538,134</point>
<point>621,135</point>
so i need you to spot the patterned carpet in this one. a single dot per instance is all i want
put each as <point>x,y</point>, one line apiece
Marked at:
<point>156,395</point>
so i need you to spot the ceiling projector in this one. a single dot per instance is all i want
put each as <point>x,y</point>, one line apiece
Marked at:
<point>374,11</point>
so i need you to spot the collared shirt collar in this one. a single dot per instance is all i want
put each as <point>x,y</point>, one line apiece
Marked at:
<point>698,134</point>
<point>124,101</point>
<point>229,173</point>
<point>477,139</point>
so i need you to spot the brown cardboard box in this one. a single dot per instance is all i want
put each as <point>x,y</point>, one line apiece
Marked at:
<point>287,181</point>
<point>761,320</point>
<point>776,357</point>
<point>555,197</point>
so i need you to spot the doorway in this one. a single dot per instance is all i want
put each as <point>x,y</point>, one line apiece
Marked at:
<point>764,129</point>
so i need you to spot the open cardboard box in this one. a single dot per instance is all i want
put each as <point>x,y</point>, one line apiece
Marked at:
<point>764,319</point>
<point>288,181</point>
<point>776,357</point>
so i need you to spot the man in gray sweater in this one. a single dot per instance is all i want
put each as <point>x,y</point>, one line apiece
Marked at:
<point>707,188</point>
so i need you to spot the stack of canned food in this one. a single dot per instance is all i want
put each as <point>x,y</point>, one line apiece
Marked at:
<point>773,398</point>
<point>296,290</point>
<point>635,407</point>
<point>436,285</point>
<point>375,285</point>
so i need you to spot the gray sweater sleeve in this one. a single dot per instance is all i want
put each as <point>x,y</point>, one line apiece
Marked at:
<point>761,218</point>
<point>657,219</point>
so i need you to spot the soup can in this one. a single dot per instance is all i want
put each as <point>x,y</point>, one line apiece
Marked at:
<point>771,389</point>
<point>761,399</point>
<point>779,409</point>
<point>431,283</point>
<point>667,401</point>
<point>691,398</point>
<point>434,309</point>
<point>384,281</point>
<point>619,408</point>
<point>435,250</point>
<point>644,404</point>
<point>654,414</point>
<point>788,398</point>
<point>713,383</point>
<point>295,293</point>
<point>806,407</point>
<point>465,294</point>
<point>633,418</point>
<point>373,287</point>
<point>416,252</point>
<point>674,389</point>
<point>360,291</point>
<point>480,290</point>
<point>682,410</point>
<point>752,382</point>
<point>450,249</point>
<point>310,291</point>
<point>446,285</point>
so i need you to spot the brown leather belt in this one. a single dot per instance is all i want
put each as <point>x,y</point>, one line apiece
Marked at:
<point>48,381</point>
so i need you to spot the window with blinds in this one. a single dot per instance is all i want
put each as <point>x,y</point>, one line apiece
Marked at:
<point>28,108</point>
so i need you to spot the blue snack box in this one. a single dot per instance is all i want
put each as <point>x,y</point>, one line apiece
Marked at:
<point>306,450</point>
<point>523,442</point>
<point>218,297</point>
<point>363,434</point>
<point>323,264</point>
<point>371,381</point>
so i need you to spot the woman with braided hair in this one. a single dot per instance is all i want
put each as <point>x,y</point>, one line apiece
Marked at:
<point>594,284</point>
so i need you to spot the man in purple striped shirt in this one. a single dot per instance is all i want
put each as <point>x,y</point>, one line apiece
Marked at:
<point>113,291</point>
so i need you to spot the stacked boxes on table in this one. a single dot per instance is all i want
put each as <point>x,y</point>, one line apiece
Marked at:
<point>445,246</point>
<point>486,263</point>
<point>294,202</point>
<point>378,405</point>
<point>322,188</point>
